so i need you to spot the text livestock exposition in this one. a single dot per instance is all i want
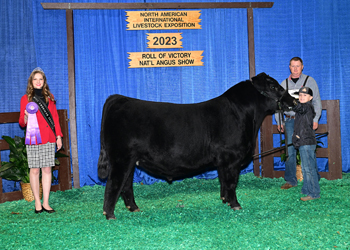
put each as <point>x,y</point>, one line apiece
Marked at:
<point>147,20</point>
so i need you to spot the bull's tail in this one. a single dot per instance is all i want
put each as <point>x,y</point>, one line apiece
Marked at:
<point>103,163</point>
<point>103,160</point>
<point>113,102</point>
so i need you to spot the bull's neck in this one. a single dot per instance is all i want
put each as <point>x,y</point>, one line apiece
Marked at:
<point>264,107</point>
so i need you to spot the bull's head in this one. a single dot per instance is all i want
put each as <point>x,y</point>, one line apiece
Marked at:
<point>269,87</point>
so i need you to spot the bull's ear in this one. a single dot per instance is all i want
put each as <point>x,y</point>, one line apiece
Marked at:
<point>262,76</point>
<point>257,77</point>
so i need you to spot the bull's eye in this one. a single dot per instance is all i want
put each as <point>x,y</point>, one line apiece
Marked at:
<point>272,87</point>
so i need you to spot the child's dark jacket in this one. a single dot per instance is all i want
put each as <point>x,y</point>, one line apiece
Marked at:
<point>304,133</point>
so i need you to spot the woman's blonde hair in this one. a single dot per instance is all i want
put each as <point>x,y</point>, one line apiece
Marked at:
<point>45,91</point>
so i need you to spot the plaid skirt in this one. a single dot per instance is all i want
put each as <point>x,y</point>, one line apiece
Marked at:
<point>41,156</point>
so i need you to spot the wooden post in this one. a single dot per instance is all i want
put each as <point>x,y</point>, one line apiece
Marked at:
<point>251,52</point>
<point>72,104</point>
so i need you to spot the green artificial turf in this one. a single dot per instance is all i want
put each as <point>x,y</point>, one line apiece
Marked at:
<point>185,215</point>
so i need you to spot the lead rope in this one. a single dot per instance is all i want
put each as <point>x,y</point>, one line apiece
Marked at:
<point>285,136</point>
<point>280,148</point>
<point>281,122</point>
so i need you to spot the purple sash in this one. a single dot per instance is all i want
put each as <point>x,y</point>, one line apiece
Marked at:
<point>32,124</point>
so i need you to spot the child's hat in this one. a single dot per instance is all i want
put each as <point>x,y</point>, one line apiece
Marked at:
<point>305,90</point>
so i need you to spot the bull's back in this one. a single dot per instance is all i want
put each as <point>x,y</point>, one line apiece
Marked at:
<point>129,113</point>
<point>160,124</point>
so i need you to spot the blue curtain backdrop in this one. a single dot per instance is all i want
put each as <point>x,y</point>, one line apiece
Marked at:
<point>31,36</point>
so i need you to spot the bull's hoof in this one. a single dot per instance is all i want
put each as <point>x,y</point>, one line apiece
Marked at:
<point>237,208</point>
<point>133,209</point>
<point>110,217</point>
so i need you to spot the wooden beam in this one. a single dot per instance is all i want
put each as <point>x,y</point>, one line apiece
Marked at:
<point>193,5</point>
<point>64,169</point>
<point>72,104</point>
<point>334,139</point>
<point>9,117</point>
<point>251,57</point>
<point>251,46</point>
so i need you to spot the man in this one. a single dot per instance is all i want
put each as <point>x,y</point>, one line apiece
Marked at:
<point>292,84</point>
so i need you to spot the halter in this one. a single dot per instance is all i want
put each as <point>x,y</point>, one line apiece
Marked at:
<point>280,116</point>
<point>278,101</point>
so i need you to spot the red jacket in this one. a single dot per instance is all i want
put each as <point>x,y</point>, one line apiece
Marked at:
<point>46,132</point>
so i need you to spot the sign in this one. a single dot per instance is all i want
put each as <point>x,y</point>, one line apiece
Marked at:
<point>162,20</point>
<point>164,40</point>
<point>165,59</point>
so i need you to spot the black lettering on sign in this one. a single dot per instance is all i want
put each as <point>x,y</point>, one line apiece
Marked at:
<point>164,40</point>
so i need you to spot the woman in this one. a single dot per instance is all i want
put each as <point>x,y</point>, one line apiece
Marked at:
<point>41,155</point>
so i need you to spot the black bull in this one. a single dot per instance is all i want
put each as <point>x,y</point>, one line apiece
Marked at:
<point>178,140</point>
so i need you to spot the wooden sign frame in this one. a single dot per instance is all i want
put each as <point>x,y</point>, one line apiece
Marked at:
<point>69,7</point>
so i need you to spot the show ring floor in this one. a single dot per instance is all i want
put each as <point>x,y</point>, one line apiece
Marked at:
<point>185,215</point>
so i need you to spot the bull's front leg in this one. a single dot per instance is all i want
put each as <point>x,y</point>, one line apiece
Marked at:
<point>229,183</point>
<point>223,188</point>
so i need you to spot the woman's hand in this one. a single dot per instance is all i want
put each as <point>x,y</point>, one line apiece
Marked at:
<point>59,142</point>
<point>25,116</point>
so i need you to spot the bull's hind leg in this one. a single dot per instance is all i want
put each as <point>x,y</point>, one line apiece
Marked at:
<point>128,194</point>
<point>110,199</point>
<point>116,180</point>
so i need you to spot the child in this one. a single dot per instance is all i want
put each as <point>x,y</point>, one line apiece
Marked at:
<point>304,139</point>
